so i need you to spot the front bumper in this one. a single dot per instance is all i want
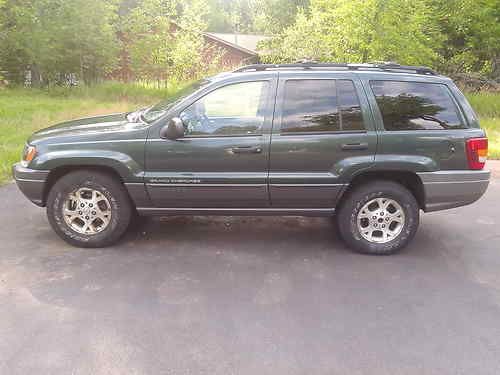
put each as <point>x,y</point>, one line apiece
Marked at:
<point>31,182</point>
<point>449,189</point>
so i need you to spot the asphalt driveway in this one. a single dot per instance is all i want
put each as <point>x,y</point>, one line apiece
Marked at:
<point>251,295</point>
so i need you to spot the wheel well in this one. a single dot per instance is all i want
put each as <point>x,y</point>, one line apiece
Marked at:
<point>408,179</point>
<point>59,172</point>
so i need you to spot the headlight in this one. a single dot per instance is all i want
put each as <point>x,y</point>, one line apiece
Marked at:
<point>29,154</point>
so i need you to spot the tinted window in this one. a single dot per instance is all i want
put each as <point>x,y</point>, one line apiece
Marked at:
<point>350,108</point>
<point>230,110</point>
<point>415,106</point>
<point>321,106</point>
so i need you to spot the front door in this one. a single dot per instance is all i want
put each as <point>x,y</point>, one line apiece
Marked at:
<point>322,135</point>
<point>222,160</point>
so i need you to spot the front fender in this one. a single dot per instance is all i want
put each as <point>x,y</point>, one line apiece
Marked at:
<point>130,169</point>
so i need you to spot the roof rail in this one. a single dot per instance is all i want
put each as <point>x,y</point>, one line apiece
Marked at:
<point>386,66</point>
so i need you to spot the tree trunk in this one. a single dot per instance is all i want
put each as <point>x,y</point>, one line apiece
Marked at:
<point>495,68</point>
<point>36,77</point>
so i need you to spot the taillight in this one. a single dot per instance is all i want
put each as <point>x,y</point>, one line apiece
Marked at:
<point>477,152</point>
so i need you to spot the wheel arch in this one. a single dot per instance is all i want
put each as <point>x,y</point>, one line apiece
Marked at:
<point>59,172</point>
<point>410,180</point>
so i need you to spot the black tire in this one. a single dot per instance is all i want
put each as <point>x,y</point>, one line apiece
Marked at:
<point>356,200</point>
<point>110,188</point>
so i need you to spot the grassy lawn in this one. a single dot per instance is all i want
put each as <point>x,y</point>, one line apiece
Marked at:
<point>23,111</point>
<point>487,106</point>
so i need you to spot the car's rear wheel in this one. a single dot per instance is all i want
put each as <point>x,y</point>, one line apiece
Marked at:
<point>380,217</point>
<point>89,209</point>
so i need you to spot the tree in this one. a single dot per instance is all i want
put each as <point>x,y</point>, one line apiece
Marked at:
<point>472,32</point>
<point>231,16</point>
<point>273,16</point>
<point>163,39</point>
<point>361,31</point>
<point>53,37</point>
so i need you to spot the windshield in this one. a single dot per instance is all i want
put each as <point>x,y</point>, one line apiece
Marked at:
<point>155,112</point>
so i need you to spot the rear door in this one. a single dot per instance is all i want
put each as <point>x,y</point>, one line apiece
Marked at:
<point>322,135</point>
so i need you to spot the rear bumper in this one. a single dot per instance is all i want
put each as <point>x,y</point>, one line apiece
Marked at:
<point>31,182</point>
<point>449,189</point>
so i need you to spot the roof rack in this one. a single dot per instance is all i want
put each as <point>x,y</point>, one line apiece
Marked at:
<point>386,66</point>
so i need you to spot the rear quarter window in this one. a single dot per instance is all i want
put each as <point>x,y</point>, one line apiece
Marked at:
<point>416,106</point>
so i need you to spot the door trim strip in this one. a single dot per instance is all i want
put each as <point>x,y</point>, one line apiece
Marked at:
<point>236,211</point>
<point>305,185</point>
<point>195,184</point>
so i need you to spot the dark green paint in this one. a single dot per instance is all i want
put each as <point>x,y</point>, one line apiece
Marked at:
<point>291,171</point>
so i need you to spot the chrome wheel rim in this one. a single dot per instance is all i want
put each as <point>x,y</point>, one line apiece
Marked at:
<point>87,211</point>
<point>380,220</point>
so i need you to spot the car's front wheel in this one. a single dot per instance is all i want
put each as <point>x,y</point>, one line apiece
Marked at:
<point>89,209</point>
<point>380,217</point>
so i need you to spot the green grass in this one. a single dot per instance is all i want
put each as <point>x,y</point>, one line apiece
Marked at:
<point>492,127</point>
<point>22,111</point>
<point>487,107</point>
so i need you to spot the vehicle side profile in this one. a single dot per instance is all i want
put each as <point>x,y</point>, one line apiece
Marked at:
<point>372,144</point>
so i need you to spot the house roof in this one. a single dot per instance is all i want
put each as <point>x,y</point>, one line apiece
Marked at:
<point>244,42</point>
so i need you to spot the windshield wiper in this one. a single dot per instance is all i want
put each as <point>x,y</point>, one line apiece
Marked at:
<point>435,119</point>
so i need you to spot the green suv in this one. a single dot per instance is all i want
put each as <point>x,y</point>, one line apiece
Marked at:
<point>372,144</point>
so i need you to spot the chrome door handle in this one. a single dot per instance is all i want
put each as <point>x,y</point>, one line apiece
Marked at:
<point>354,146</point>
<point>246,150</point>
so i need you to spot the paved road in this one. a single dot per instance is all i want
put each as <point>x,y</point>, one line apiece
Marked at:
<point>250,296</point>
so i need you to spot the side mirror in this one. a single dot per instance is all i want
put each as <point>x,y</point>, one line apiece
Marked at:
<point>173,130</point>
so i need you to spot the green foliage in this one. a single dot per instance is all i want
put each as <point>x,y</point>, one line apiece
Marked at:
<point>160,39</point>
<point>487,106</point>
<point>361,31</point>
<point>52,37</point>
<point>485,103</point>
<point>273,16</point>
<point>472,31</point>
<point>492,128</point>
<point>163,39</point>
<point>232,16</point>
<point>450,35</point>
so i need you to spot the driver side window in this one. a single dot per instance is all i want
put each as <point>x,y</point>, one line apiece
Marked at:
<point>236,109</point>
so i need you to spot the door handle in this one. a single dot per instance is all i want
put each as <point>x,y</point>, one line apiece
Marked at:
<point>354,146</point>
<point>246,150</point>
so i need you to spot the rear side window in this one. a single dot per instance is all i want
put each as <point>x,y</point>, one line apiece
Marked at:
<point>321,106</point>
<point>415,106</point>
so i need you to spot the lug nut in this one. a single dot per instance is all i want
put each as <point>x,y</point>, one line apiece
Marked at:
<point>86,218</point>
<point>90,204</point>
<point>93,212</point>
